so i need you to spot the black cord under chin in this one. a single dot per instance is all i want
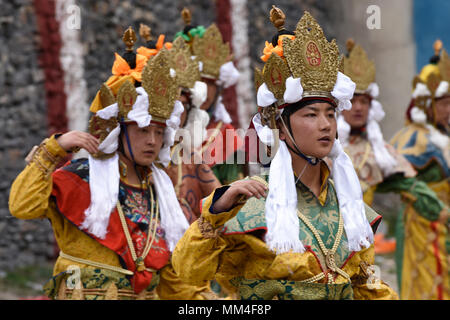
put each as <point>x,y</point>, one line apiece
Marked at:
<point>311,160</point>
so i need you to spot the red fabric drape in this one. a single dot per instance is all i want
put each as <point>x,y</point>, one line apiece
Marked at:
<point>49,60</point>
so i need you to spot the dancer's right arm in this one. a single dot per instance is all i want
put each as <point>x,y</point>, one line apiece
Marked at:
<point>30,191</point>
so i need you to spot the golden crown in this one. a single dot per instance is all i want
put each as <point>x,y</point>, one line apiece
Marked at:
<point>312,58</point>
<point>211,51</point>
<point>186,68</point>
<point>358,67</point>
<point>160,85</point>
<point>308,56</point>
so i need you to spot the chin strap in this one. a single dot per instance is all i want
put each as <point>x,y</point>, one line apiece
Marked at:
<point>131,153</point>
<point>124,127</point>
<point>311,160</point>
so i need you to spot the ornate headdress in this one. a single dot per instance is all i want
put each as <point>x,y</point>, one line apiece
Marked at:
<point>211,51</point>
<point>300,66</point>
<point>213,56</point>
<point>359,68</point>
<point>362,71</point>
<point>432,83</point>
<point>127,67</point>
<point>185,65</point>
<point>187,68</point>
<point>304,65</point>
<point>153,101</point>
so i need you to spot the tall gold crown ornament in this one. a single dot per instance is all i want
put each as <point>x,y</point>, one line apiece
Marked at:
<point>211,51</point>
<point>186,68</point>
<point>161,86</point>
<point>186,16</point>
<point>358,67</point>
<point>312,58</point>
<point>129,38</point>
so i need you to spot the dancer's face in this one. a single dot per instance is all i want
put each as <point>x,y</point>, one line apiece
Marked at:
<point>443,111</point>
<point>145,143</point>
<point>357,116</point>
<point>313,128</point>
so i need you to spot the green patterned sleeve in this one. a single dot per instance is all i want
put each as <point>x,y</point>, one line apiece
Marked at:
<point>425,200</point>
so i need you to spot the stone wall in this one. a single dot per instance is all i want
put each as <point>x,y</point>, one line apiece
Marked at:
<point>23,124</point>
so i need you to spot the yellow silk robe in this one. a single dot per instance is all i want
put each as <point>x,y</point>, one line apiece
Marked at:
<point>229,246</point>
<point>30,199</point>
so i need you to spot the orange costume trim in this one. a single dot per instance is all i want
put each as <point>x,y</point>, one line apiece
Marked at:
<point>121,72</point>
<point>121,67</point>
<point>152,52</point>
<point>278,49</point>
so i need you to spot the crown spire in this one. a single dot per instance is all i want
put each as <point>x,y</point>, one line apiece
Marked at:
<point>277,17</point>
<point>350,44</point>
<point>186,16</point>
<point>145,32</point>
<point>437,46</point>
<point>129,38</point>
